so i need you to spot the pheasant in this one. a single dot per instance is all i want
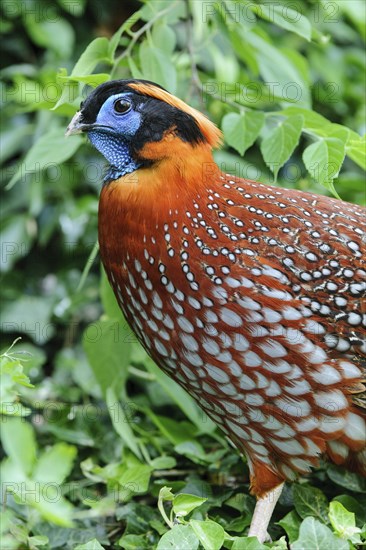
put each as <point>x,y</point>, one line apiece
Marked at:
<point>250,296</point>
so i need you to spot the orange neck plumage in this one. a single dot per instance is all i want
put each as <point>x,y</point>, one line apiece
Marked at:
<point>135,204</point>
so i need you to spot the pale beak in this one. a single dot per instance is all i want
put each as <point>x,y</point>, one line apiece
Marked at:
<point>76,126</point>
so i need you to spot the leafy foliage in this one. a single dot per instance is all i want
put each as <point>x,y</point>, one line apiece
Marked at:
<point>101,449</point>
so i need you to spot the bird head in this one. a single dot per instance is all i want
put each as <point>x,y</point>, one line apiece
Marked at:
<point>136,123</point>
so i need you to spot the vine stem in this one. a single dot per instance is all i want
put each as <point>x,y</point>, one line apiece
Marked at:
<point>93,254</point>
<point>136,35</point>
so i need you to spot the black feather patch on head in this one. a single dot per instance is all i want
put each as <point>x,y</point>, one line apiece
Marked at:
<point>157,115</point>
<point>90,107</point>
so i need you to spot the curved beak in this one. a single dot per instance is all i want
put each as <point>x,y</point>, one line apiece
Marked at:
<point>76,126</point>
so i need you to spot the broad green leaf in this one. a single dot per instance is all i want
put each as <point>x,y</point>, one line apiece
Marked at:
<point>247,543</point>
<point>279,145</point>
<point>279,71</point>
<point>91,79</point>
<point>291,524</point>
<point>313,122</point>
<point>121,422</point>
<point>180,537</point>
<point>157,66</point>
<point>310,501</point>
<point>285,17</point>
<point>163,37</point>
<point>96,52</point>
<point>19,442</point>
<point>136,478</point>
<point>183,504</point>
<point>356,150</point>
<point>55,464</point>
<point>17,235</point>
<point>134,542</point>
<point>163,463</point>
<point>48,500</point>
<point>110,304</point>
<point>108,350</point>
<point>29,315</point>
<point>323,160</point>
<point>90,545</point>
<point>50,150</point>
<point>182,399</point>
<point>345,478</point>
<point>344,522</point>
<point>211,535</point>
<point>241,130</point>
<point>316,536</point>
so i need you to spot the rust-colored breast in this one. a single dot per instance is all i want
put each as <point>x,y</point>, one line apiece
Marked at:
<point>253,299</point>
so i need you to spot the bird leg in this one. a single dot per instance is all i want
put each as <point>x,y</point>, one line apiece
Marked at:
<point>262,514</point>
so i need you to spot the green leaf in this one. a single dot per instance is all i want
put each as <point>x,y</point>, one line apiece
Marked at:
<point>313,122</point>
<point>291,524</point>
<point>241,130</point>
<point>96,52</point>
<point>247,543</point>
<point>157,66</point>
<point>136,478</point>
<point>134,542</point>
<point>285,17</point>
<point>163,463</point>
<point>121,422</point>
<point>344,522</point>
<point>316,536</point>
<point>345,478</point>
<point>90,545</point>
<point>183,504</point>
<point>90,79</point>
<point>182,399</point>
<point>310,501</point>
<point>19,442</point>
<point>356,150</point>
<point>279,145</point>
<point>163,37</point>
<point>110,304</point>
<point>323,160</point>
<point>211,535</point>
<point>180,537</point>
<point>55,464</point>
<point>108,351</point>
<point>279,71</point>
<point>50,150</point>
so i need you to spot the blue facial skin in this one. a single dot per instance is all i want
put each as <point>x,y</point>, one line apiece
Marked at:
<point>113,138</point>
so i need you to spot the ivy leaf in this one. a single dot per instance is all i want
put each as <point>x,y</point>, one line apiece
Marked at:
<point>278,147</point>
<point>183,504</point>
<point>317,536</point>
<point>211,535</point>
<point>180,537</point>
<point>241,130</point>
<point>343,522</point>
<point>310,501</point>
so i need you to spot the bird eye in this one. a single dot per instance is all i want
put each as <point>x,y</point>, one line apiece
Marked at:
<point>122,106</point>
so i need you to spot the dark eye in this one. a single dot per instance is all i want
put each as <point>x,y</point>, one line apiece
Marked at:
<point>122,106</point>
